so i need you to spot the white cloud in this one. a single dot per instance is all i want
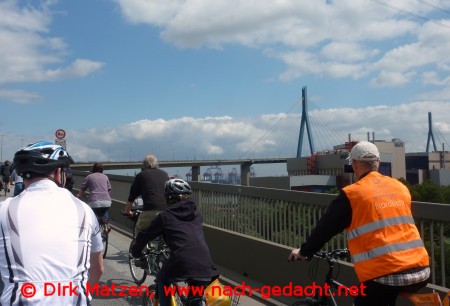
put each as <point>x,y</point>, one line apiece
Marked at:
<point>347,52</point>
<point>338,39</point>
<point>391,79</point>
<point>270,135</point>
<point>20,96</point>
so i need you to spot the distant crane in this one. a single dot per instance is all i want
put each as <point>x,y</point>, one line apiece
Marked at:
<point>189,175</point>
<point>233,177</point>
<point>218,176</point>
<point>207,176</point>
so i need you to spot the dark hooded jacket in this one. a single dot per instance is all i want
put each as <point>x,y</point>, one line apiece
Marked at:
<point>181,226</point>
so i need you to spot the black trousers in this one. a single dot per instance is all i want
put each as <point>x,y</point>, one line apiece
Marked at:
<point>376,294</point>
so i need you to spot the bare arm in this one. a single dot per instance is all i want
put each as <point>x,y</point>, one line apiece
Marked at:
<point>80,193</point>
<point>83,187</point>
<point>127,210</point>
<point>96,268</point>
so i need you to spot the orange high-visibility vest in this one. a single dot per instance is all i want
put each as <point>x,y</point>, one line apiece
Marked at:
<point>382,237</point>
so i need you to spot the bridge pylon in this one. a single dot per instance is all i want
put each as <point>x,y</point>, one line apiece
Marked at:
<point>304,122</point>
<point>430,134</point>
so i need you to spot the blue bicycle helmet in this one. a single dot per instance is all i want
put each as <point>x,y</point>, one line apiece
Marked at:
<point>41,158</point>
<point>176,187</point>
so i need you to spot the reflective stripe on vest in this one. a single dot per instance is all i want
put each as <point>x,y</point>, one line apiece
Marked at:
<point>389,248</point>
<point>364,229</point>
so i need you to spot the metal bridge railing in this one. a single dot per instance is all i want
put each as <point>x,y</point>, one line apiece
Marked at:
<point>287,217</point>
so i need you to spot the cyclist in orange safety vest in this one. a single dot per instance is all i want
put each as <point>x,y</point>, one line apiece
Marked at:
<point>387,251</point>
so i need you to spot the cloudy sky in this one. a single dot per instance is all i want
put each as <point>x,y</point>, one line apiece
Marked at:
<point>221,79</point>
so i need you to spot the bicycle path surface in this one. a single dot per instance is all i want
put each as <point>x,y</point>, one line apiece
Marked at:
<point>117,273</point>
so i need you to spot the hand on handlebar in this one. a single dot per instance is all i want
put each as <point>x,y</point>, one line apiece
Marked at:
<point>295,255</point>
<point>126,213</point>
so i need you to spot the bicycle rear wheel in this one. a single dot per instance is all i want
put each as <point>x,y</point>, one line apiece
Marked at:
<point>139,275</point>
<point>105,238</point>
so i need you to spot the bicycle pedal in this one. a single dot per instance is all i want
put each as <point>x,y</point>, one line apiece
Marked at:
<point>143,264</point>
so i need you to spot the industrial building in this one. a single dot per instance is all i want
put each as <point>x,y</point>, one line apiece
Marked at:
<point>432,166</point>
<point>325,170</point>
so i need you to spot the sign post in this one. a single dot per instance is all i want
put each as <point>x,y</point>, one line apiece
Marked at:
<point>60,138</point>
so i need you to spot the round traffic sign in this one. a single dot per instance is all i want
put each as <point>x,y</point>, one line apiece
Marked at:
<point>60,134</point>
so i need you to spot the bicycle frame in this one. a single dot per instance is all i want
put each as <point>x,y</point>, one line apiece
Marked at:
<point>154,255</point>
<point>327,298</point>
<point>333,284</point>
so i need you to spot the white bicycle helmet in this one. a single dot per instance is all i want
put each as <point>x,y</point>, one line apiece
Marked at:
<point>176,187</point>
<point>41,158</point>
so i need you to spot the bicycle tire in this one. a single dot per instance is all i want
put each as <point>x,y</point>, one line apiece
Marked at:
<point>105,239</point>
<point>139,275</point>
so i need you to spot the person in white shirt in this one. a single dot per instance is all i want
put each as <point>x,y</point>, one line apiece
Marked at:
<point>50,245</point>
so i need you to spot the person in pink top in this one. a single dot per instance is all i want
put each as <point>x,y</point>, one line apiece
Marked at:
<point>99,187</point>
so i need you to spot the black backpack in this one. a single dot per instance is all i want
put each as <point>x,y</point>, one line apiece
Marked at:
<point>69,178</point>
<point>6,171</point>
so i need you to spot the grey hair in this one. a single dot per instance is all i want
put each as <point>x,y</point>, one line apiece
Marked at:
<point>150,161</point>
<point>371,164</point>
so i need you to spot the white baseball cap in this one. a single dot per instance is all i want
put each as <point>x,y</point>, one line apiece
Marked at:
<point>365,151</point>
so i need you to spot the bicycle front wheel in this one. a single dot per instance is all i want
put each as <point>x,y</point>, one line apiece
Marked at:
<point>139,275</point>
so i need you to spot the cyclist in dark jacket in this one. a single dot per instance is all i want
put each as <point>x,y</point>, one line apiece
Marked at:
<point>181,226</point>
<point>149,185</point>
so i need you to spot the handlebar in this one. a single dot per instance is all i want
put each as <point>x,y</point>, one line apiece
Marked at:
<point>134,213</point>
<point>335,254</point>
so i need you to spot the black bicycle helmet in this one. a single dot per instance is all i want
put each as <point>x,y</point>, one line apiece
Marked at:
<point>176,187</point>
<point>41,158</point>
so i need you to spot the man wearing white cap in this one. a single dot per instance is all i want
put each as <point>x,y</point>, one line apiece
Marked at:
<point>388,254</point>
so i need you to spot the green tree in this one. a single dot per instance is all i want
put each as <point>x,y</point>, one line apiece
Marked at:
<point>427,192</point>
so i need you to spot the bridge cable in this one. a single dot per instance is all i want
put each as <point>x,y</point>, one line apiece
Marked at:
<point>269,131</point>
<point>441,139</point>
<point>411,14</point>
<point>434,6</point>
